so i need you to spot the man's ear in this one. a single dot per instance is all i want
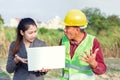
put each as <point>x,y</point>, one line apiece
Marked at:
<point>78,29</point>
<point>21,32</point>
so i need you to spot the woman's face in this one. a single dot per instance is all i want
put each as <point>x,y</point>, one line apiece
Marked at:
<point>30,34</point>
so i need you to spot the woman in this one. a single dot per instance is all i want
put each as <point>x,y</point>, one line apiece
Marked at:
<point>17,59</point>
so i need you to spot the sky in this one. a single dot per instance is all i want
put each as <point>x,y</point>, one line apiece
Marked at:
<point>44,10</point>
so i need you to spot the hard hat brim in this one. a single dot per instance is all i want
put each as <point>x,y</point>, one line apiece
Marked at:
<point>64,24</point>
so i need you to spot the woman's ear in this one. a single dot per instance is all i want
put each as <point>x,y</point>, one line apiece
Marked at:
<point>21,32</point>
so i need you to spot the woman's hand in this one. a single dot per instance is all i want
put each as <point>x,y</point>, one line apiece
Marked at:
<point>19,59</point>
<point>43,70</point>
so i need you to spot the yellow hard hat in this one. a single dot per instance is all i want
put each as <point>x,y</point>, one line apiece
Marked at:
<point>75,17</point>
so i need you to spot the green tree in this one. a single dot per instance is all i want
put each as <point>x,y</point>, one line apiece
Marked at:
<point>2,35</point>
<point>114,20</point>
<point>1,23</point>
<point>96,20</point>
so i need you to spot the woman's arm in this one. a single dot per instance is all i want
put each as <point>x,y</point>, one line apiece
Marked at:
<point>11,65</point>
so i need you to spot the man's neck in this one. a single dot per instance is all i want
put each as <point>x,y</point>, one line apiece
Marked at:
<point>79,37</point>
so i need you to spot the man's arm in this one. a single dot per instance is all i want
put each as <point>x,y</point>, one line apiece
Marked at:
<point>101,67</point>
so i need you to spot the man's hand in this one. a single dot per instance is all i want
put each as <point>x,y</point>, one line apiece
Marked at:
<point>90,58</point>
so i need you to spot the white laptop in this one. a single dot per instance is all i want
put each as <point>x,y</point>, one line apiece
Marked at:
<point>49,57</point>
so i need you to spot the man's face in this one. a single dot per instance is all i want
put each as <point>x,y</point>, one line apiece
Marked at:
<point>30,34</point>
<point>70,32</point>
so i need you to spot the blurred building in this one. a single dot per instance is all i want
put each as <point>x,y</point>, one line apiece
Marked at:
<point>54,23</point>
<point>14,22</point>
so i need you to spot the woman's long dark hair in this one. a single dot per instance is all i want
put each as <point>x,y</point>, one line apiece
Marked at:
<point>23,25</point>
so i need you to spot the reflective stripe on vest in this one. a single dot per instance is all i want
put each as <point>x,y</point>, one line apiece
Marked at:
<point>79,77</point>
<point>78,67</point>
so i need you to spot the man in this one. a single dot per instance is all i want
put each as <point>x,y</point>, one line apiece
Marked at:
<point>83,51</point>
